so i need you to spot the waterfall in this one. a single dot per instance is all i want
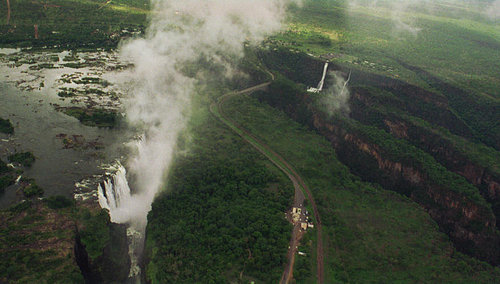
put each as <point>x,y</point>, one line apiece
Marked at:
<point>320,84</point>
<point>115,195</point>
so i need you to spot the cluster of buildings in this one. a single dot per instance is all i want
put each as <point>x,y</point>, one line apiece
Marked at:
<point>300,215</point>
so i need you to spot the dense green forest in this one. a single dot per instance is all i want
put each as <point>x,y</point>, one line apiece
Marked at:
<point>221,218</point>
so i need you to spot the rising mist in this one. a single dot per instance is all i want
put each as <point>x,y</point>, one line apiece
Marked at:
<point>335,99</point>
<point>159,91</point>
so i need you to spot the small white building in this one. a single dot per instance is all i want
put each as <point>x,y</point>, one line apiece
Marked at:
<point>303,226</point>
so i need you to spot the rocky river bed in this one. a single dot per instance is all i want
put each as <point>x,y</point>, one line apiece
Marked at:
<point>65,107</point>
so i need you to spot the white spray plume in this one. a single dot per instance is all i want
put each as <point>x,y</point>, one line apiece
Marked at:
<point>403,19</point>
<point>180,32</point>
<point>336,98</point>
<point>493,11</point>
<point>400,13</point>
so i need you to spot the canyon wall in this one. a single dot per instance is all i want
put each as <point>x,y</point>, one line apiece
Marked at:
<point>464,215</point>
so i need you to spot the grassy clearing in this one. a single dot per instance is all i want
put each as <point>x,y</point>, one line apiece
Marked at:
<point>368,230</point>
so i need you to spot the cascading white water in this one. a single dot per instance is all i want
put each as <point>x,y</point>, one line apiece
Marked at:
<point>322,82</point>
<point>115,195</point>
<point>114,192</point>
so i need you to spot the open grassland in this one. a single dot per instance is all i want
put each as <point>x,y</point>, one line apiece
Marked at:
<point>456,44</point>
<point>368,230</point>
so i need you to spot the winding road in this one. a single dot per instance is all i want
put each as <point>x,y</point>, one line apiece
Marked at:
<point>300,187</point>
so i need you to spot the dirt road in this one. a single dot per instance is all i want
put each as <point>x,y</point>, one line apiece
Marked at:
<point>300,187</point>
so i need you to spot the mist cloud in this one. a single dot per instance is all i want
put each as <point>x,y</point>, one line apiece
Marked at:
<point>335,99</point>
<point>400,13</point>
<point>181,32</point>
<point>493,11</point>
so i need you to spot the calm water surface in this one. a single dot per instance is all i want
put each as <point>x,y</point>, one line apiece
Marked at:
<point>37,126</point>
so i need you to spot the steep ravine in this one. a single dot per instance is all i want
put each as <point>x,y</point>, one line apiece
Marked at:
<point>420,102</point>
<point>468,220</point>
<point>442,148</point>
<point>55,241</point>
<point>372,90</point>
<point>471,226</point>
<point>114,262</point>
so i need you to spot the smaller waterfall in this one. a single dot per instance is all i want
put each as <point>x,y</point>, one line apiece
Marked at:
<point>321,82</point>
<point>18,179</point>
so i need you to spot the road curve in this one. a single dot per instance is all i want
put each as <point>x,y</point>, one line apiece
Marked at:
<point>283,165</point>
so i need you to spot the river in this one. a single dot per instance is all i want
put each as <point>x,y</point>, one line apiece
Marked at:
<point>41,129</point>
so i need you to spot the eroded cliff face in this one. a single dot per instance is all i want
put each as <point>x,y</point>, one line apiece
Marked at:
<point>470,226</point>
<point>100,246</point>
<point>411,99</point>
<point>441,149</point>
<point>112,264</point>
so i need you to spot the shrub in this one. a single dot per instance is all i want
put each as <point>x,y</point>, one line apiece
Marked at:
<point>32,190</point>
<point>26,159</point>
<point>21,206</point>
<point>6,126</point>
<point>98,117</point>
<point>5,182</point>
<point>58,202</point>
<point>4,168</point>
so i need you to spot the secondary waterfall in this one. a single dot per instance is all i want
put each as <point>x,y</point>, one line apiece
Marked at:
<point>321,82</point>
<point>115,195</point>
